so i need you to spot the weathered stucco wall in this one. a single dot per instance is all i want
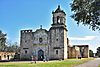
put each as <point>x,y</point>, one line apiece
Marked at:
<point>80,51</point>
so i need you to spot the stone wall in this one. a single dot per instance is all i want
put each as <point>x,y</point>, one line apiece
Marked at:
<point>26,43</point>
<point>58,43</point>
<point>86,52</point>
<point>32,42</point>
<point>40,42</point>
<point>7,55</point>
<point>78,51</point>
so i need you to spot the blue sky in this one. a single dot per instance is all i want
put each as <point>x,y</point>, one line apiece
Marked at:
<point>16,15</point>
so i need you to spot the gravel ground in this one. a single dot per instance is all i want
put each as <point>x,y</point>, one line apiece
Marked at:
<point>92,63</point>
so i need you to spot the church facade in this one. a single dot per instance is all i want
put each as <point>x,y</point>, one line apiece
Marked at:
<point>42,43</point>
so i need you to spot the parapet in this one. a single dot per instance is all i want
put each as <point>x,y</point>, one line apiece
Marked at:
<point>26,31</point>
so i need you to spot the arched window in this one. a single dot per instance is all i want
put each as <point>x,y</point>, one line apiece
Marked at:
<point>40,40</point>
<point>56,51</point>
<point>4,56</point>
<point>56,39</point>
<point>58,19</point>
<point>25,51</point>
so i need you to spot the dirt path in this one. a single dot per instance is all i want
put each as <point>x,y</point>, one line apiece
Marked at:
<point>92,63</point>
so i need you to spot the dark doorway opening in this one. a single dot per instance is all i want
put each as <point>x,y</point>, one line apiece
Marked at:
<point>40,55</point>
<point>8,57</point>
<point>0,57</point>
<point>82,52</point>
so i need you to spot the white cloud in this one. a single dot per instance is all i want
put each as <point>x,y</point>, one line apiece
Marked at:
<point>83,38</point>
<point>81,43</point>
<point>92,41</point>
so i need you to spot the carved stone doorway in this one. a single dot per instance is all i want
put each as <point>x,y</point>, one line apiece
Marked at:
<point>40,55</point>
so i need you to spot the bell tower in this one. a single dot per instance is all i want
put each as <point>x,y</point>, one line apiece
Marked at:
<point>59,17</point>
<point>58,35</point>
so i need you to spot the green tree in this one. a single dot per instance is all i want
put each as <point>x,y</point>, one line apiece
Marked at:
<point>87,12</point>
<point>91,54</point>
<point>98,52</point>
<point>3,46</point>
<point>13,47</point>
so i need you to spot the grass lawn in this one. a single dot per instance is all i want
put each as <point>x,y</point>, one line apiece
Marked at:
<point>64,63</point>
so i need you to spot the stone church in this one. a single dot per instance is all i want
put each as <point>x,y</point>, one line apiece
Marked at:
<point>52,43</point>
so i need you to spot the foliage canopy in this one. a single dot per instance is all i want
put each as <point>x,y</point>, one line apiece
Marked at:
<point>87,12</point>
